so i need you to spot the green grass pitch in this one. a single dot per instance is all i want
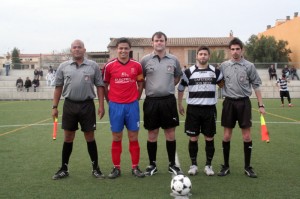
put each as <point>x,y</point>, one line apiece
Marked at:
<point>29,157</point>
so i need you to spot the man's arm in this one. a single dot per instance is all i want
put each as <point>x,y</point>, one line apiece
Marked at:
<point>106,92</point>
<point>260,102</point>
<point>100,93</point>
<point>176,80</point>
<point>140,89</point>
<point>179,101</point>
<point>55,101</point>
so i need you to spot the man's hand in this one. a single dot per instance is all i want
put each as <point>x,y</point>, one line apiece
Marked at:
<point>181,109</point>
<point>101,112</point>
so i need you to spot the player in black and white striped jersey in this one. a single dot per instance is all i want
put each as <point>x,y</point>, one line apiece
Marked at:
<point>283,89</point>
<point>201,114</point>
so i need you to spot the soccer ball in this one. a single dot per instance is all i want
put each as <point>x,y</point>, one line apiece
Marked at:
<point>181,185</point>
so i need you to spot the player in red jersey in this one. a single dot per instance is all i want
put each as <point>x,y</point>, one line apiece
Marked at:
<point>123,78</point>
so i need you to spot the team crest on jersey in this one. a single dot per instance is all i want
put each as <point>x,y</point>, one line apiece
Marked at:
<point>132,70</point>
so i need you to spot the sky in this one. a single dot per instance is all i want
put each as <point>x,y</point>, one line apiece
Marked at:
<point>46,26</point>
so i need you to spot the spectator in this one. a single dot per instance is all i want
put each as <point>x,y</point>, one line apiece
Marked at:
<point>272,72</point>
<point>27,84</point>
<point>41,74</point>
<point>294,72</point>
<point>19,84</point>
<point>49,78</point>
<point>36,73</point>
<point>50,69</point>
<point>286,71</point>
<point>35,83</point>
<point>7,65</point>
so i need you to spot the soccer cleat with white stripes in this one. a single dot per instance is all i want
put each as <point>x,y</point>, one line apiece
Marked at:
<point>193,170</point>
<point>175,170</point>
<point>60,174</point>
<point>208,170</point>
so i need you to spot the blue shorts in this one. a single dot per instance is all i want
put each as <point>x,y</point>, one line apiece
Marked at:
<point>124,114</point>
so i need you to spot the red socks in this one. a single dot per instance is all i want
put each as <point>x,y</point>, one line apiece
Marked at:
<point>116,150</point>
<point>134,149</point>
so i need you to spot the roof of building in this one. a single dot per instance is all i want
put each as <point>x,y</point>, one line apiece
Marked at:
<point>187,41</point>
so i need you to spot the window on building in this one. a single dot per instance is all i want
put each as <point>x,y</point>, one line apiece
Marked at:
<point>191,57</point>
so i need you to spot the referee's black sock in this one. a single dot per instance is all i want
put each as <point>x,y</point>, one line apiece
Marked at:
<point>210,151</point>
<point>226,151</point>
<point>66,153</point>
<point>247,153</point>
<point>171,149</point>
<point>152,148</point>
<point>193,151</point>
<point>93,152</point>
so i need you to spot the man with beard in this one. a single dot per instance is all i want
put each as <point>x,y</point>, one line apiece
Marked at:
<point>201,114</point>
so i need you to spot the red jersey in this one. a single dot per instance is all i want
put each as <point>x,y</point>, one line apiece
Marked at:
<point>122,80</point>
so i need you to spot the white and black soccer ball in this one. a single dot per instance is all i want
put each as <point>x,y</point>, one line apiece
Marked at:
<point>181,185</point>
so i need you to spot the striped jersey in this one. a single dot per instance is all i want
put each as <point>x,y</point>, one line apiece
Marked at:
<point>201,85</point>
<point>283,84</point>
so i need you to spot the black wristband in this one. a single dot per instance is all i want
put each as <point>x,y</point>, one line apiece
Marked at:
<point>54,107</point>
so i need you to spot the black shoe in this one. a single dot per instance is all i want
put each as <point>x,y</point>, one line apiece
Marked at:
<point>137,172</point>
<point>98,174</point>
<point>114,173</point>
<point>175,170</point>
<point>249,172</point>
<point>150,170</point>
<point>60,174</point>
<point>224,171</point>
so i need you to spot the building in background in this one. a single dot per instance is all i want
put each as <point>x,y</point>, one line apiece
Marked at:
<point>289,30</point>
<point>183,48</point>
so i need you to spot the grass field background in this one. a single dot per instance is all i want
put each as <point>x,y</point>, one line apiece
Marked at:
<point>29,158</point>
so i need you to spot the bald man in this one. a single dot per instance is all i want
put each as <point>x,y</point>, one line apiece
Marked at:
<point>75,80</point>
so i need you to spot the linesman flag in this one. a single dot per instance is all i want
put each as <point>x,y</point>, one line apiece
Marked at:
<point>264,130</point>
<point>54,129</point>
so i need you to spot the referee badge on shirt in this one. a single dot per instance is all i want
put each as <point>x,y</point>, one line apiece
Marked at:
<point>86,77</point>
<point>170,68</point>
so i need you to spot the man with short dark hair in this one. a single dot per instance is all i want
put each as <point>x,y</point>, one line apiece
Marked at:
<point>75,81</point>
<point>201,114</point>
<point>240,77</point>
<point>162,72</point>
<point>123,78</point>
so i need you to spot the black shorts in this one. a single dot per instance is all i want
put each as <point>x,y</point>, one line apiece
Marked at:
<point>79,112</point>
<point>236,110</point>
<point>160,112</point>
<point>200,119</point>
<point>284,94</point>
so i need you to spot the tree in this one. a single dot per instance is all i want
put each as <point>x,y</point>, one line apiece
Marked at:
<point>16,62</point>
<point>217,56</point>
<point>267,49</point>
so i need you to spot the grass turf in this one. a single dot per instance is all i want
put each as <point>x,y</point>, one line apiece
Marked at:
<point>29,157</point>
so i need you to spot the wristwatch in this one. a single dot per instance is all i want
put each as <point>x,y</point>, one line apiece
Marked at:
<point>54,107</point>
<point>261,106</point>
